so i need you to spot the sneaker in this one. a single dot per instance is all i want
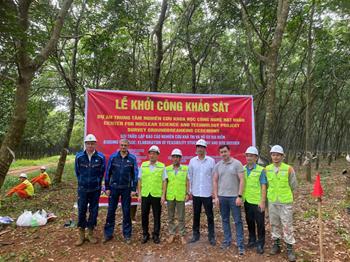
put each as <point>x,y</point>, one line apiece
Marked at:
<point>194,239</point>
<point>241,251</point>
<point>251,244</point>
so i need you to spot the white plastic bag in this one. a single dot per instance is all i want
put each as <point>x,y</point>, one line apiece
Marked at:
<point>25,219</point>
<point>39,218</point>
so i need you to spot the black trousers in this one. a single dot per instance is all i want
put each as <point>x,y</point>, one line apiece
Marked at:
<point>207,202</point>
<point>146,204</point>
<point>255,217</point>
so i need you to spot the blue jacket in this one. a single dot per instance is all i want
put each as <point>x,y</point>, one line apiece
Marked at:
<point>122,172</point>
<point>89,173</point>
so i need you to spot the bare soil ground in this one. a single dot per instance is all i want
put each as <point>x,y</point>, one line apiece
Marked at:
<point>54,242</point>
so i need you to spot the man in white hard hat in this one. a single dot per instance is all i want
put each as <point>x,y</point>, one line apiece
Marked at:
<point>228,184</point>
<point>43,179</point>
<point>90,167</point>
<point>24,190</point>
<point>152,190</point>
<point>200,171</point>
<point>255,199</point>
<point>176,195</point>
<point>282,182</point>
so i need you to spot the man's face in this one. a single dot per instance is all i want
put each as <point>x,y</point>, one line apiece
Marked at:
<point>90,147</point>
<point>251,158</point>
<point>176,160</point>
<point>124,146</point>
<point>153,156</point>
<point>225,153</point>
<point>22,179</point>
<point>42,170</point>
<point>276,157</point>
<point>200,150</point>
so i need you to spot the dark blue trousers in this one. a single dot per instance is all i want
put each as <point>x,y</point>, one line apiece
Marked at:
<point>88,199</point>
<point>124,194</point>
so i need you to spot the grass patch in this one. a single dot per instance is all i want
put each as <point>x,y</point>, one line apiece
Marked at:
<point>48,199</point>
<point>38,162</point>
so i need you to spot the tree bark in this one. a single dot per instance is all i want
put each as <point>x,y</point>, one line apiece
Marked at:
<point>27,67</point>
<point>158,32</point>
<point>308,99</point>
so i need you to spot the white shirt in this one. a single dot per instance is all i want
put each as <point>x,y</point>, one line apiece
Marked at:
<point>200,173</point>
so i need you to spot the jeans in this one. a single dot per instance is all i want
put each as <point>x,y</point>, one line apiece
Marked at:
<point>112,207</point>
<point>228,205</point>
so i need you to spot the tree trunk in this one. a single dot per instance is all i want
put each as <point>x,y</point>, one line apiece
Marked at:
<point>27,67</point>
<point>308,99</point>
<point>158,31</point>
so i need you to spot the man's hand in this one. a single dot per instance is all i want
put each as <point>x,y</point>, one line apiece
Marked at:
<point>238,201</point>
<point>187,197</point>
<point>216,201</point>
<point>133,194</point>
<point>162,199</point>
<point>262,206</point>
<point>108,192</point>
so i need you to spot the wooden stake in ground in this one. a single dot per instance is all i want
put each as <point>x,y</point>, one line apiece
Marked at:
<point>318,192</point>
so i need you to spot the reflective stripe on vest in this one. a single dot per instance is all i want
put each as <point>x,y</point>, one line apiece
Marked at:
<point>278,184</point>
<point>176,189</point>
<point>151,181</point>
<point>29,189</point>
<point>252,186</point>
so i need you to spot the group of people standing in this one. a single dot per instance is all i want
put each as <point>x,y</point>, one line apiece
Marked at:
<point>228,184</point>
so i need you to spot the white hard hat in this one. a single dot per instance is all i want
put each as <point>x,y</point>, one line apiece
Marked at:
<point>154,149</point>
<point>23,175</point>
<point>252,150</point>
<point>43,167</point>
<point>90,138</point>
<point>277,149</point>
<point>176,152</point>
<point>201,142</point>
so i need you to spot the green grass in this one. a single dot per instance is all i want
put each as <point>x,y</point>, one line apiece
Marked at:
<point>38,162</point>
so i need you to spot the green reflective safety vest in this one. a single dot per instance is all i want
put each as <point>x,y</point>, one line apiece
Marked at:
<point>176,189</point>
<point>152,181</point>
<point>252,186</point>
<point>278,184</point>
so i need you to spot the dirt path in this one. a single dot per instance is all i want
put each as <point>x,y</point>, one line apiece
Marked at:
<point>29,169</point>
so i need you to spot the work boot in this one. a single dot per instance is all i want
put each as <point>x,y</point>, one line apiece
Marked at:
<point>290,253</point>
<point>81,237</point>
<point>276,248</point>
<point>91,237</point>
<point>171,239</point>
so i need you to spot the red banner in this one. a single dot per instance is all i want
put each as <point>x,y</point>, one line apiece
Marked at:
<point>169,121</point>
